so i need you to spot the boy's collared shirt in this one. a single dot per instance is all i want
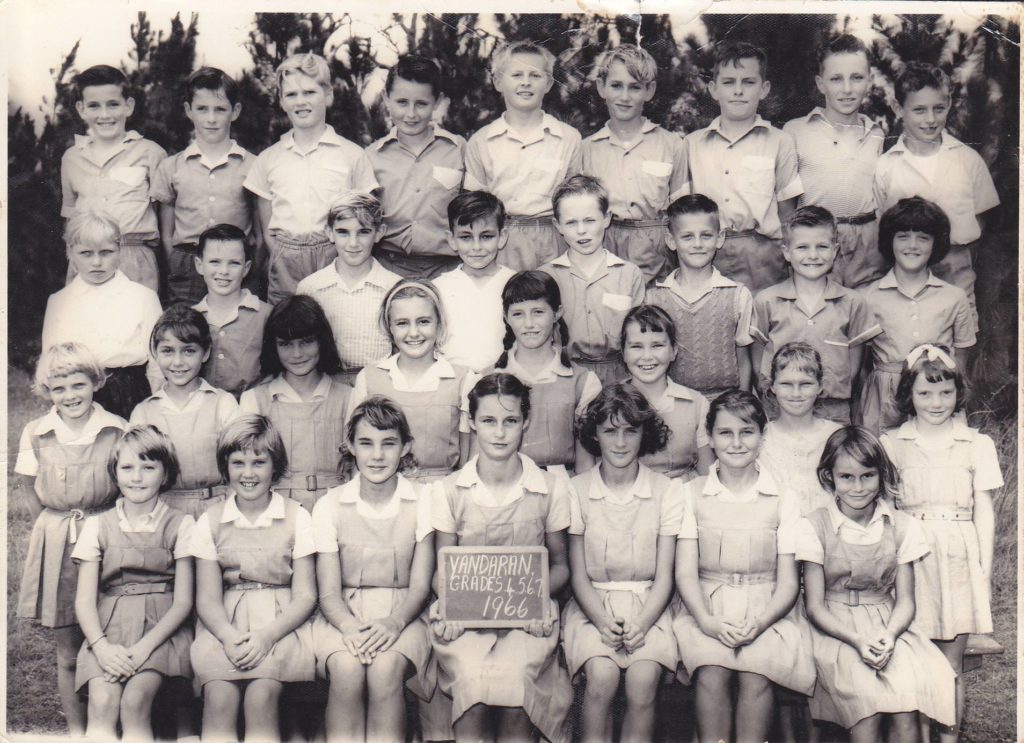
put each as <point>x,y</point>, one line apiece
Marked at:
<point>352,311</point>
<point>595,306</point>
<point>674,292</point>
<point>227,407</point>
<point>416,190</point>
<point>837,173</point>
<point>474,315</point>
<point>961,185</point>
<point>747,177</point>
<point>203,192</point>
<point>203,546</point>
<point>302,185</point>
<point>642,177</point>
<point>523,173</point>
<point>27,464</point>
<point>281,391</point>
<point>234,362</point>
<point>118,185</point>
<point>841,321</point>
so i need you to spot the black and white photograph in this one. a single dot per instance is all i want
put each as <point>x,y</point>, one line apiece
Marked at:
<point>585,373</point>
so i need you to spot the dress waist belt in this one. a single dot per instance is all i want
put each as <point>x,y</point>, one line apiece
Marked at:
<point>928,514</point>
<point>863,218</point>
<point>639,223</point>
<point>851,597</point>
<point>639,587</point>
<point>736,579</point>
<point>139,589</point>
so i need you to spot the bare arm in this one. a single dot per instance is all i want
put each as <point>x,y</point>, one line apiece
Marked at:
<point>27,485</point>
<point>856,361</point>
<point>420,574</point>
<point>210,602</point>
<point>818,611</point>
<point>903,612</point>
<point>582,589</point>
<point>442,539</point>
<point>181,607</point>
<point>165,219</point>
<point>661,591</point>
<point>302,604</point>
<point>332,603</point>
<point>688,585</point>
<point>787,585</point>
<point>786,208</point>
<point>465,448</point>
<point>748,360</point>
<point>984,524</point>
<point>115,660</point>
<point>558,560</point>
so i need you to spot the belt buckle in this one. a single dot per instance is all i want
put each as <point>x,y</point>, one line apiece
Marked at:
<point>852,597</point>
<point>206,494</point>
<point>77,514</point>
<point>736,579</point>
<point>311,483</point>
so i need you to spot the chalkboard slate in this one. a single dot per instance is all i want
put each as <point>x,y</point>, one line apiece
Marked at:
<point>493,587</point>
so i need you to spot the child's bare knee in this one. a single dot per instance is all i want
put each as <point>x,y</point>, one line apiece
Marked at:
<point>386,674</point>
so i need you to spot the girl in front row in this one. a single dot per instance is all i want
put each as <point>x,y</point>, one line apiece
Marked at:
<point>135,581</point>
<point>504,684</point>
<point>737,578</point>
<point>622,541</point>
<point>858,554</point>
<point>255,587</point>
<point>374,563</point>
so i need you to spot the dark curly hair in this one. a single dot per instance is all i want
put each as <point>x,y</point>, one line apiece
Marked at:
<point>622,403</point>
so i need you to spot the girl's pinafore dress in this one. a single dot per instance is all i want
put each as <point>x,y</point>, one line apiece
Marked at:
<point>137,589</point>
<point>792,461</point>
<point>376,557</point>
<point>859,581</point>
<point>256,564</point>
<point>621,546</point>
<point>72,482</point>
<point>510,667</point>
<point>683,411</point>
<point>937,487</point>
<point>738,544</point>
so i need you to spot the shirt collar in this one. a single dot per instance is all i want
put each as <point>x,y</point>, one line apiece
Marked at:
<point>716,281</point>
<point>838,520</point>
<point>441,369</point>
<point>765,483</point>
<point>275,510</point>
<point>961,431</point>
<point>80,287</point>
<point>235,150</point>
<point>548,123</point>
<point>98,420</point>
<point>146,523</point>
<point>554,368</point>
<point>377,276</point>
<point>204,388</point>
<point>532,478</point>
<point>392,136</point>
<point>605,131</point>
<point>716,127</point>
<point>640,488</point>
<point>349,492</point>
<point>889,280</point>
<point>787,289</point>
<point>867,124</point>
<point>328,136</point>
<point>246,299</point>
<point>946,142</point>
<point>279,386</point>
<point>610,260</point>
<point>82,141</point>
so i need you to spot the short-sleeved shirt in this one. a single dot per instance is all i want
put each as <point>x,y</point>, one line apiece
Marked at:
<point>983,460</point>
<point>842,321</point>
<point>747,177</point>
<point>416,190</point>
<point>87,548</point>
<point>302,185</point>
<point>474,316</point>
<point>675,392</point>
<point>234,362</point>
<point>837,172</point>
<point>551,373</point>
<point>670,290</point>
<point>531,480</point>
<point>939,313</point>
<point>203,546</point>
<point>118,185</point>
<point>595,306</point>
<point>810,549</point>
<point>324,511</point>
<point>27,464</point>
<point>670,513</point>
<point>204,192</point>
<point>961,184</point>
<point>226,406</point>
<point>642,176</point>
<point>523,168</point>
<point>280,390</point>
<point>353,310</point>
<point>789,507</point>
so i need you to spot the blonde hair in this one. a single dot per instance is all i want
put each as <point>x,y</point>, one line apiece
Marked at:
<point>638,63</point>
<point>356,205</point>
<point>505,52</point>
<point>414,288</point>
<point>65,359</point>
<point>92,228</point>
<point>308,64</point>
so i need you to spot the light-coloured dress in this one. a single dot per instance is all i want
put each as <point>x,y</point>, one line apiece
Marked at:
<point>739,537</point>
<point>860,565</point>
<point>621,546</point>
<point>938,482</point>
<point>792,459</point>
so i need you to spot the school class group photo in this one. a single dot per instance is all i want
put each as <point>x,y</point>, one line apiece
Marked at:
<point>725,376</point>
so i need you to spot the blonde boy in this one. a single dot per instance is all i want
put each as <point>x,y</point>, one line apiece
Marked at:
<point>642,165</point>
<point>298,177</point>
<point>524,154</point>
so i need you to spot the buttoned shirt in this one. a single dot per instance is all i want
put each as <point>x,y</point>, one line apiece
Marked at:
<point>302,185</point>
<point>282,391</point>
<point>961,184</point>
<point>27,464</point>
<point>325,510</point>
<point>671,506</point>
<point>87,548</point>
<point>234,362</point>
<point>836,171</point>
<point>523,168</point>
<point>642,176</point>
<point>675,292</point>
<point>416,190</point>
<point>747,176</point>
<point>203,546</point>
<point>226,406</point>
<point>473,311</point>
<point>551,373</point>
<point>204,192</point>
<point>117,185</point>
<point>810,549</point>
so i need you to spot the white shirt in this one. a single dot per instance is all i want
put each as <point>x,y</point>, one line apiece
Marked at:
<point>28,465</point>
<point>810,549</point>
<point>227,408</point>
<point>87,548</point>
<point>324,510</point>
<point>474,316</point>
<point>202,538</point>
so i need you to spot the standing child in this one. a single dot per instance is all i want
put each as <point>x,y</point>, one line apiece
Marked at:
<point>711,314</point>
<point>929,162</point>
<point>351,289</point>
<point>859,557</point>
<point>298,177</point>
<point>472,292</point>
<point>810,307</point>
<point>598,288</point>
<point>375,559</point>
<point>536,351</point>
<point>504,684</point>
<point>737,578</point>
<point>524,154</point>
<point>432,392</point>
<point>299,395</point>
<point>188,410</point>
<point>201,186</point>
<point>110,169</point>
<point>837,147</point>
<point>747,166</point>
<point>622,542</point>
<point>255,588</point>
<point>62,461</point>
<point>642,165</point>
<point>948,472</point>
<point>419,167</point>
<point>911,305</point>
<point>648,349</point>
<point>135,582</point>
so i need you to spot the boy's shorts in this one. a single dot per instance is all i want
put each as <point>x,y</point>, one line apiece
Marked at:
<point>532,242</point>
<point>749,258</point>
<point>958,269</point>
<point>293,258</point>
<point>137,261</point>
<point>642,242</point>
<point>416,265</point>
<point>858,262</point>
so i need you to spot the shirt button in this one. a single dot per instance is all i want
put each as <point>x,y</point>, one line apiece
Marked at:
<point>727,172</point>
<point>913,317</point>
<point>915,334</point>
<point>213,221</point>
<point>221,333</point>
<point>212,176</point>
<point>220,355</point>
<point>212,198</point>
<point>810,322</point>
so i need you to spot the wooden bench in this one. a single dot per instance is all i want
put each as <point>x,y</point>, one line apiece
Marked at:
<point>978,646</point>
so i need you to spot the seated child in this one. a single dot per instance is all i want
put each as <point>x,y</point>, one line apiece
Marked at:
<point>598,288</point>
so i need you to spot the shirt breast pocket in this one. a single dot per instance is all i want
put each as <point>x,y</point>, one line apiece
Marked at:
<point>543,174</point>
<point>332,180</point>
<point>130,175</point>
<point>655,182</point>
<point>617,302</point>
<point>449,178</point>
<point>757,176</point>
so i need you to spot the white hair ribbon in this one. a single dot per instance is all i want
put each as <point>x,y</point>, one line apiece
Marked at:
<point>933,353</point>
